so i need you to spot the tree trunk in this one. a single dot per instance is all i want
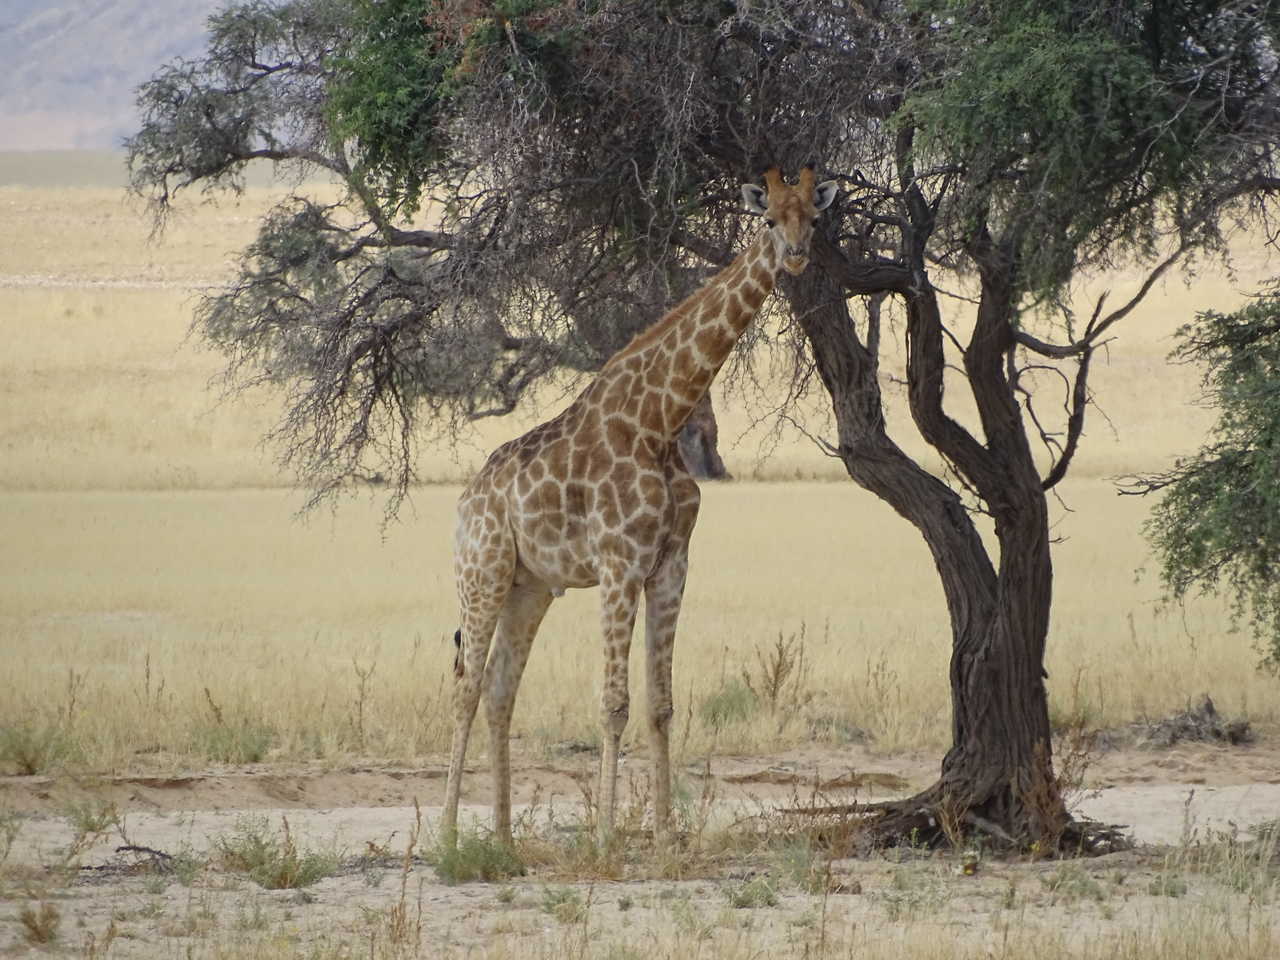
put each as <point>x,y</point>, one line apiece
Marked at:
<point>699,443</point>
<point>997,778</point>
<point>1000,765</point>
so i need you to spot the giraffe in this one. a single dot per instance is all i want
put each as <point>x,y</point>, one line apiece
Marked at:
<point>598,496</point>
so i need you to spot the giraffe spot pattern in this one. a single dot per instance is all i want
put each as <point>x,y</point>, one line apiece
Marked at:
<point>598,495</point>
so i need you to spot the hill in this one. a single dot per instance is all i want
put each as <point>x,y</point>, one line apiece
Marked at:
<point>68,70</point>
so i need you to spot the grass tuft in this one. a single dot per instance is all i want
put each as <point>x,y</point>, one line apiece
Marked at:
<point>40,927</point>
<point>475,857</point>
<point>564,903</point>
<point>752,894</point>
<point>236,740</point>
<point>273,861</point>
<point>734,703</point>
<point>33,746</point>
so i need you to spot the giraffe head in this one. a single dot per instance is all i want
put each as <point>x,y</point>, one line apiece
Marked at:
<point>789,212</point>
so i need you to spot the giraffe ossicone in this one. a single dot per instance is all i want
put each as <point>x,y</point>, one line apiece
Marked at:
<point>598,496</point>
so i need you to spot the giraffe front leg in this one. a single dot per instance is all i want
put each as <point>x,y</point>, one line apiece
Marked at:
<point>517,626</point>
<point>619,598</point>
<point>663,594</point>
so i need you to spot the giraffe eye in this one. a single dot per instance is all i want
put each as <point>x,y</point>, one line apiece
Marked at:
<point>770,224</point>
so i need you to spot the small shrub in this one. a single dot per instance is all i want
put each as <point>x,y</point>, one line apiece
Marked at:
<point>91,815</point>
<point>563,903</point>
<point>89,818</point>
<point>1167,885</point>
<point>476,857</point>
<point>274,862</point>
<point>781,672</point>
<point>758,892</point>
<point>40,926</point>
<point>689,921</point>
<point>235,740</point>
<point>916,890</point>
<point>10,827</point>
<point>186,867</point>
<point>733,703</point>
<point>240,741</point>
<point>798,862</point>
<point>1248,866</point>
<point>34,747</point>
<point>1071,882</point>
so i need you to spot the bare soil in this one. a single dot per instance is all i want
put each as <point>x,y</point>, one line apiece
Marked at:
<point>1165,797</point>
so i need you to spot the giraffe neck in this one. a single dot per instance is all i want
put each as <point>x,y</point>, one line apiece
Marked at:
<point>677,358</point>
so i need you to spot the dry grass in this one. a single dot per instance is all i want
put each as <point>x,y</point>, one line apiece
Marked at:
<point>734,893</point>
<point>161,606</point>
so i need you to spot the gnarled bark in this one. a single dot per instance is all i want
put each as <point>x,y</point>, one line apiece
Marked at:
<point>998,775</point>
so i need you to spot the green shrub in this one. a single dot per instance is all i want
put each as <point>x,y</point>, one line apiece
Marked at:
<point>475,857</point>
<point>237,741</point>
<point>34,746</point>
<point>733,703</point>
<point>273,861</point>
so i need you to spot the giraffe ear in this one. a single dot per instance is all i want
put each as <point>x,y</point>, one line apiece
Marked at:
<point>755,198</point>
<point>823,194</point>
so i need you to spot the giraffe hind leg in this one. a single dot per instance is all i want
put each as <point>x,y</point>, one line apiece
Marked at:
<point>522,614</point>
<point>480,612</point>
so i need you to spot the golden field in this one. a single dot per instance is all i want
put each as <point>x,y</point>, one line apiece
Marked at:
<point>164,611</point>
<point>152,551</point>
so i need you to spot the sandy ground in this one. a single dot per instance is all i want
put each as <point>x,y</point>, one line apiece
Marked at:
<point>1175,796</point>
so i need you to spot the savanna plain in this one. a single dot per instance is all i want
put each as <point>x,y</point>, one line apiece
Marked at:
<point>223,726</point>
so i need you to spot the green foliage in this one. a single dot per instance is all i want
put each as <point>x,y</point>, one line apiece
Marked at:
<point>1071,882</point>
<point>475,857</point>
<point>35,745</point>
<point>1218,525</point>
<point>752,894</point>
<point>240,741</point>
<point>273,861</point>
<point>563,903</point>
<point>397,88</point>
<point>1078,130</point>
<point>393,93</point>
<point>733,703</point>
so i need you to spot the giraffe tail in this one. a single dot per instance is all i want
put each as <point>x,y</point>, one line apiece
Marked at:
<point>458,663</point>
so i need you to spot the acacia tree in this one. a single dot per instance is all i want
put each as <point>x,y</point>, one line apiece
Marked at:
<point>580,155</point>
<point>1217,527</point>
<point>383,333</point>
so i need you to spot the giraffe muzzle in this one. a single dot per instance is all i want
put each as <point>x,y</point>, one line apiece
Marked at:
<point>795,263</point>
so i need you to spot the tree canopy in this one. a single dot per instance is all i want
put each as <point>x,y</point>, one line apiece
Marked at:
<point>1217,527</point>
<point>577,162</point>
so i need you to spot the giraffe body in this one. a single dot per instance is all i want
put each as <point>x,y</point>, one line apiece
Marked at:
<point>599,496</point>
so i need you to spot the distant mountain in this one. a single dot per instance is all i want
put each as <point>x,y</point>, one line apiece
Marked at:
<point>68,70</point>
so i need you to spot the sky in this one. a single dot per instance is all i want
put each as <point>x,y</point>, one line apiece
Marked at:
<point>68,70</point>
